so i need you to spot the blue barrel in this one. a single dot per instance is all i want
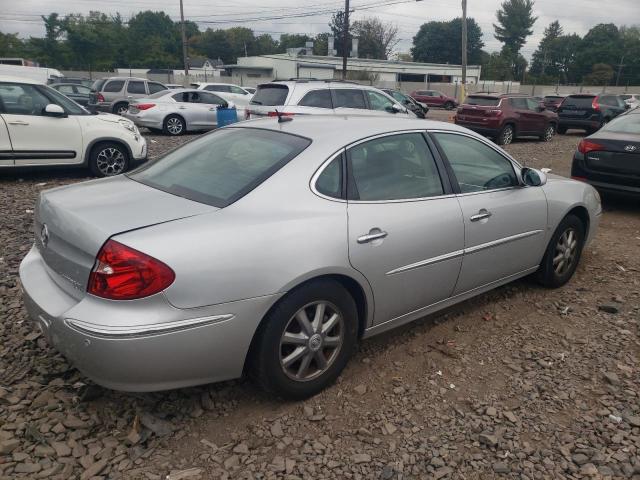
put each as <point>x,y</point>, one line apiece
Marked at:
<point>226,116</point>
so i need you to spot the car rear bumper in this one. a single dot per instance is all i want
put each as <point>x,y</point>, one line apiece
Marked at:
<point>114,344</point>
<point>577,123</point>
<point>100,107</point>
<point>143,122</point>
<point>487,130</point>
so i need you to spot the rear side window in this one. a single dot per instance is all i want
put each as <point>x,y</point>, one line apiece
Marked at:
<point>329,182</point>
<point>348,98</point>
<point>237,90</point>
<point>317,98</point>
<point>395,167</point>
<point>579,102</point>
<point>482,101</point>
<point>270,95</point>
<point>219,168</point>
<point>519,103</point>
<point>217,88</point>
<point>114,86</point>
<point>156,87</point>
<point>136,87</point>
<point>97,85</point>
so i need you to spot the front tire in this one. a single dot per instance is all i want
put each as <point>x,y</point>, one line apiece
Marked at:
<point>305,342</point>
<point>548,134</point>
<point>108,159</point>
<point>174,125</point>
<point>563,253</point>
<point>120,108</point>
<point>506,135</point>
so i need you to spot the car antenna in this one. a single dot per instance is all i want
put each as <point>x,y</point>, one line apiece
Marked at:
<point>282,118</point>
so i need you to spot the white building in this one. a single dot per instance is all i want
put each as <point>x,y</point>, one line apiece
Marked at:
<point>253,70</point>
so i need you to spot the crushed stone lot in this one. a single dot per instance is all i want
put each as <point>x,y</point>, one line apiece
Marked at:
<point>522,382</point>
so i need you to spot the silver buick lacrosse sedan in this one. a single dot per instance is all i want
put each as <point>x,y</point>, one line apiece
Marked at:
<point>272,247</point>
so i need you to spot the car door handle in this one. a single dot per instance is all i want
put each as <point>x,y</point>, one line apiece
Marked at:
<point>182,108</point>
<point>481,215</point>
<point>18,122</point>
<point>372,235</point>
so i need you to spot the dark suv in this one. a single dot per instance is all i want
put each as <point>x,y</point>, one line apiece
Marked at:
<point>588,111</point>
<point>506,116</point>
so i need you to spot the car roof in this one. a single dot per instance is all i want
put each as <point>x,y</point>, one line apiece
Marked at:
<point>126,78</point>
<point>67,83</point>
<point>315,83</point>
<point>346,128</point>
<point>8,78</point>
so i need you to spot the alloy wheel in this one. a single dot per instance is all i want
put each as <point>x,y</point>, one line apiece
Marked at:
<point>174,126</point>
<point>110,161</point>
<point>122,109</point>
<point>565,252</point>
<point>311,341</point>
<point>507,135</point>
<point>548,134</point>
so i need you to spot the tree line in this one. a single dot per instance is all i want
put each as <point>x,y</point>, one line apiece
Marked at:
<point>606,55</point>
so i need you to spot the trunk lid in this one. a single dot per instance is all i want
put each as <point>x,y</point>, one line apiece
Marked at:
<point>618,160</point>
<point>80,218</point>
<point>480,106</point>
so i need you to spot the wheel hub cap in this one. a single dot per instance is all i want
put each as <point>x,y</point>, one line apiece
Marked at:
<point>315,342</point>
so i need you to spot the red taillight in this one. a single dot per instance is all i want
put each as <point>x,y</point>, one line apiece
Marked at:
<point>586,146</point>
<point>495,112</point>
<point>122,273</point>
<point>283,114</point>
<point>144,106</point>
<point>595,105</point>
<point>100,97</point>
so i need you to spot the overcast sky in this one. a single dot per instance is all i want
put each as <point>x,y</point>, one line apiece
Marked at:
<point>575,16</point>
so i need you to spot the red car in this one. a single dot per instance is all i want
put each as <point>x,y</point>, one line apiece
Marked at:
<point>507,116</point>
<point>552,102</point>
<point>433,98</point>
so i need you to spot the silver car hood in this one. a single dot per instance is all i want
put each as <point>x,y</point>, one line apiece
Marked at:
<point>80,218</point>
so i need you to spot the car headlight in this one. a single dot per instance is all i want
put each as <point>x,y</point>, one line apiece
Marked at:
<point>129,126</point>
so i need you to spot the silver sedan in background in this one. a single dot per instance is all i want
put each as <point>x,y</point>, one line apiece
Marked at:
<point>177,111</point>
<point>272,247</point>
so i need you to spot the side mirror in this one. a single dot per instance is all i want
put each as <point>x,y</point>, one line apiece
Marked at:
<point>394,108</point>
<point>532,177</point>
<point>53,110</point>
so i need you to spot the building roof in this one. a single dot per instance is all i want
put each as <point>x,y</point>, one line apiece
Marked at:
<point>198,62</point>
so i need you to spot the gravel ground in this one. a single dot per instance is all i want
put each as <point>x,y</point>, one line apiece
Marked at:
<point>519,383</point>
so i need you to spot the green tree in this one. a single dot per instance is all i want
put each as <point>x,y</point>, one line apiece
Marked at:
<point>321,44</point>
<point>264,45</point>
<point>241,40</point>
<point>375,38</point>
<point>630,72</point>
<point>292,40</point>
<point>11,45</point>
<point>441,42</point>
<point>213,44</point>
<point>601,74</point>
<point>497,66</point>
<point>153,41</point>
<point>515,22</point>
<point>336,25</point>
<point>602,44</point>
<point>546,55</point>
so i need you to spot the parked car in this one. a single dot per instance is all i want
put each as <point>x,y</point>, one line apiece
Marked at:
<point>588,111</point>
<point>75,91</point>
<point>633,100</point>
<point>114,94</point>
<point>233,93</point>
<point>322,97</point>
<point>271,247</point>
<point>175,112</point>
<point>505,117</point>
<point>173,86</point>
<point>419,109</point>
<point>41,127</point>
<point>433,98</point>
<point>74,80</point>
<point>552,102</point>
<point>251,90</point>
<point>610,158</point>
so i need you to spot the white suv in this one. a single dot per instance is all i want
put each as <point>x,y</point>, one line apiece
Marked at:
<point>41,127</point>
<point>323,97</point>
<point>231,93</point>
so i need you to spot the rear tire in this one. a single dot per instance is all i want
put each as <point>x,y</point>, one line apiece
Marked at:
<point>174,125</point>
<point>295,362</point>
<point>108,159</point>
<point>448,106</point>
<point>506,135</point>
<point>563,253</point>
<point>120,108</point>
<point>549,132</point>
<point>562,130</point>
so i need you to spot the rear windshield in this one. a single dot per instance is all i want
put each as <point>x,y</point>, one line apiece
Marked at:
<point>483,101</point>
<point>580,102</point>
<point>625,97</point>
<point>624,124</point>
<point>222,167</point>
<point>97,85</point>
<point>270,95</point>
<point>553,97</point>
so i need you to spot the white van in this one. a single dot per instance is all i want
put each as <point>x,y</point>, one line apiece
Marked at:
<point>38,74</point>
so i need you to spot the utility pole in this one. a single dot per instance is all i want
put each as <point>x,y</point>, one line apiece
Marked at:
<point>345,39</point>
<point>184,46</point>
<point>464,51</point>
<point>620,65</point>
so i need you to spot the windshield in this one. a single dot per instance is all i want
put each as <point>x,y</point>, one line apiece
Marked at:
<point>222,167</point>
<point>624,124</point>
<point>482,101</point>
<point>270,95</point>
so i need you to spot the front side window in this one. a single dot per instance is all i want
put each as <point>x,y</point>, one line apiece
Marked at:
<point>182,97</point>
<point>66,89</point>
<point>317,98</point>
<point>22,99</point>
<point>114,86</point>
<point>156,87</point>
<point>395,167</point>
<point>136,87</point>
<point>237,90</point>
<point>477,166</point>
<point>349,98</point>
<point>379,101</point>
<point>81,89</point>
<point>219,168</point>
<point>217,88</point>
<point>211,99</point>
